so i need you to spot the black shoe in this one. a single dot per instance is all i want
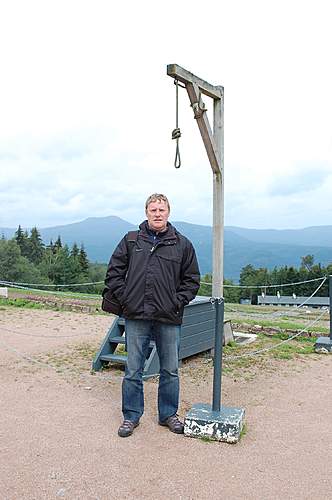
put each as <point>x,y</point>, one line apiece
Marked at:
<point>127,428</point>
<point>174,424</point>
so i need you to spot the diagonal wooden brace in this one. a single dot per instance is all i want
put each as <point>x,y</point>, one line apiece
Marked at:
<point>204,126</point>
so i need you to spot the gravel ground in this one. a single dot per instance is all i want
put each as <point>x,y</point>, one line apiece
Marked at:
<point>58,424</point>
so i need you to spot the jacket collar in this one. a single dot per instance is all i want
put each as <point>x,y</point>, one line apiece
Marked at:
<point>169,234</point>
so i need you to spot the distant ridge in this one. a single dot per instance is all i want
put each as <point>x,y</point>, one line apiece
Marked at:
<point>259,247</point>
<point>314,235</point>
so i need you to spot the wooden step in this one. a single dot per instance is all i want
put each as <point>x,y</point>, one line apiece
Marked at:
<point>117,340</point>
<point>115,358</point>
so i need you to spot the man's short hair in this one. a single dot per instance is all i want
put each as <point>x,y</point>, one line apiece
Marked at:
<point>157,197</point>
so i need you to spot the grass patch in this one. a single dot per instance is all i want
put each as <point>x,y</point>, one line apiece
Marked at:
<point>280,324</point>
<point>77,358</point>
<point>207,439</point>
<point>237,363</point>
<point>58,293</point>
<point>26,303</point>
<point>244,430</point>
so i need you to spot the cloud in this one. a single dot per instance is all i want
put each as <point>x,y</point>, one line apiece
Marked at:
<point>305,177</point>
<point>86,117</point>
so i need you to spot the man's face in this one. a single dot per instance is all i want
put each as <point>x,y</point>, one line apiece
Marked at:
<point>157,214</point>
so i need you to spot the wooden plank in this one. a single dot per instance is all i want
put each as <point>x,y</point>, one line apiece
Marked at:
<point>192,320</point>
<point>184,76</point>
<point>195,340</point>
<point>191,309</point>
<point>209,312</point>
<point>206,345</point>
<point>197,328</point>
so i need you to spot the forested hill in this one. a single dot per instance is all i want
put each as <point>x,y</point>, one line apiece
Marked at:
<point>261,248</point>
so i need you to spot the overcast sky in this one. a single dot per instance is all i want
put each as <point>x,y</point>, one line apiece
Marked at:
<point>87,110</point>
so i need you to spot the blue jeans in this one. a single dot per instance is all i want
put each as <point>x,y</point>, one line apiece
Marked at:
<point>167,338</point>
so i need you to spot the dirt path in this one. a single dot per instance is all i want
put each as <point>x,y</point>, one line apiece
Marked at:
<point>58,424</point>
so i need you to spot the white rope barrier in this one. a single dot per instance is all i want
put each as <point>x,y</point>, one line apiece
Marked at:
<point>54,292</point>
<point>9,283</point>
<point>17,283</point>
<point>266,349</point>
<point>267,286</point>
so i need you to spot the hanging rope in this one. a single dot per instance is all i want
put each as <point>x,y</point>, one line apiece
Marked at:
<point>176,134</point>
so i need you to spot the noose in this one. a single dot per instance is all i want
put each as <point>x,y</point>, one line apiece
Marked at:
<point>176,134</point>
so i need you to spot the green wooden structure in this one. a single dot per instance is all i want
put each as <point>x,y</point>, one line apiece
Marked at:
<point>197,335</point>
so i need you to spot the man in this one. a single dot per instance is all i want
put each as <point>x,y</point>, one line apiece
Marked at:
<point>153,281</point>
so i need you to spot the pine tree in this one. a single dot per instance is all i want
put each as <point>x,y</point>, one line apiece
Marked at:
<point>74,251</point>
<point>83,260</point>
<point>36,246</point>
<point>58,243</point>
<point>51,247</point>
<point>22,239</point>
<point>19,236</point>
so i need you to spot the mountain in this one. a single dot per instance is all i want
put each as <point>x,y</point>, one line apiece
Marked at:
<point>259,247</point>
<point>313,236</point>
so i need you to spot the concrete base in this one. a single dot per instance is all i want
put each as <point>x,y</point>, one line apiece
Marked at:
<point>224,425</point>
<point>244,338</point>
<point>323,345</point>
<point>228,332</point>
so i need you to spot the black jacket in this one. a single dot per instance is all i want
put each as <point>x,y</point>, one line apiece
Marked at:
<point>158,280</point>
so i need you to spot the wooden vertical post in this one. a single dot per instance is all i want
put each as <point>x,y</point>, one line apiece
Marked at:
<point>218,199</point>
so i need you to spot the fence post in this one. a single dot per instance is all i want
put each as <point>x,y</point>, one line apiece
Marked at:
<point>324,344</point>
<point>218,342</point>
<point>330,295</point>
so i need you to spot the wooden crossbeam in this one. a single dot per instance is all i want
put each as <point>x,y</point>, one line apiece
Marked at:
<point>184,76</point>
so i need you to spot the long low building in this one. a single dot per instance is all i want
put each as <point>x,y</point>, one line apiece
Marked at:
<point>289,300</point>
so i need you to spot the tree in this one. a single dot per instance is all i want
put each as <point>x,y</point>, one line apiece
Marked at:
<point>22,239</point>
<point>15,267</point>
<point>19,236</point>
<point>231,295</point>
<point>60,266</point>
<point>307,261</point>
<point>74,251</point>
<point>206,285</point>
<point>36,246</point>
<point>83,260</point>
<point>247,277</point>
<point>10,254</point>
<point>58,243</point>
